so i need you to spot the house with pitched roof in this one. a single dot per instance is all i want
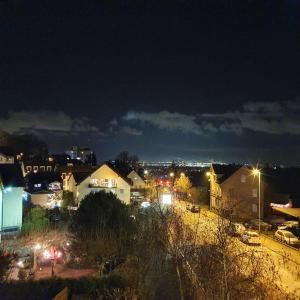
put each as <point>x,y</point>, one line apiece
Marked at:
<point>44,189</point>
<point>11,197</point>
<point>234,190</point>
<point>138,187</point>
<point>105,177</point>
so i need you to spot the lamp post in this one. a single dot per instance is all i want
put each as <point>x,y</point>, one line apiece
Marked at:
<point>257,172</point>
<point>207,174</point>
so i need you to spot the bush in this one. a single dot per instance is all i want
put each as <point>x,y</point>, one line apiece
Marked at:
<point>36,221</point>
<point>68,199</point>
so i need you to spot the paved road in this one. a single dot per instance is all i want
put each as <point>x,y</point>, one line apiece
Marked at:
<point>286,259</point>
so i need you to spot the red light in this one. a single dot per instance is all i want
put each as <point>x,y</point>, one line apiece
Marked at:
<point>161,182</point>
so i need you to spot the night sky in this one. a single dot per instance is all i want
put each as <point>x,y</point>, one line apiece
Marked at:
<point>194,80</point>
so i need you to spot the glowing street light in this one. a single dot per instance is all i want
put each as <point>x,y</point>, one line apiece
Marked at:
<point>146,172</point>
<point>207,174</point>
<point>256,172</point>
<point>172,174</point>
<point>182,174</point>
<point>37,247</point>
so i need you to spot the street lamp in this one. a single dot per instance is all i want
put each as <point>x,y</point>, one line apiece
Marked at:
<point>256,172</point>
<point>172,174</point>
<point>146,172</point>
<point>182,174</point>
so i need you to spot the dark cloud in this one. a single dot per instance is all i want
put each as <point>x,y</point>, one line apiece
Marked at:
<point>275,118</point>
<point>167,120</point>
<point>130,131</point>
<point>52,122</point>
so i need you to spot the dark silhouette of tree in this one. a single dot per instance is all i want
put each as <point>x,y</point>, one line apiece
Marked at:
<point>92,159</point>
<point>125,162</point>
<point>100,215</point>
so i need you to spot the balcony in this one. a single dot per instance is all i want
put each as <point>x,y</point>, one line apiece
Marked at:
<point>102,186</point>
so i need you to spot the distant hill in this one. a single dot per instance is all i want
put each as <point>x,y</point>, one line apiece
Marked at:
<point>28,144</point>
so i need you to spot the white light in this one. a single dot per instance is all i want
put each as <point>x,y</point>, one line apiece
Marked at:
<point>8,189</point>
<point>37,247</point>
<point>109,183</point>
<point>167,199</point>
<point>20,264</point>
<point>47,254</point>
<point>145,204</point>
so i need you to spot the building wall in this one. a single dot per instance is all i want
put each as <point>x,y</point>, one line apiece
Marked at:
<point>122,189</point>
<point>239,194</point>
<point>6,159</point>
<point>12,208</point>
<point>39,199</point>
<point>138,182</point>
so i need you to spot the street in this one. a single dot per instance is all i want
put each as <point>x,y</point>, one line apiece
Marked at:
<point>285,259</point>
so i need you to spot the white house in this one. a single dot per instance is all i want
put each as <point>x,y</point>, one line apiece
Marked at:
<point>137,181</point>
<point>11,197</point>
<point>103,178</point>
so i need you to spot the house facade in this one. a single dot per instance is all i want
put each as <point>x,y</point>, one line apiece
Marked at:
<point>138,187</point>
<point>6,159</point>
<point>235,190</point>
<point>44,189</point>
<point>104,178</point>
<point>11,197</point>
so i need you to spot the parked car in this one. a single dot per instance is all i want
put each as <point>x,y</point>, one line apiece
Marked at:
<point>188,206</point>
<point>250,237</point>
<point>195,208</point>
<point>287,237</point>
<point>288,224</point>
<point>254,224</point>
<point>235,229</point>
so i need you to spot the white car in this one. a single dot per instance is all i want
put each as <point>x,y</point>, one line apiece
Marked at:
<point>287,237</point>
<point>288,224</point>
<point>250,237</point>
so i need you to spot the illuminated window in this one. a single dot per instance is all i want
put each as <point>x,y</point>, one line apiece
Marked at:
<point>35,168</point>
<point>243,178</point>
<point>94,181</point>
<point>254,193</point>
<point>28,168</point>
<point>42,168</point>
<point>49,168</point>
